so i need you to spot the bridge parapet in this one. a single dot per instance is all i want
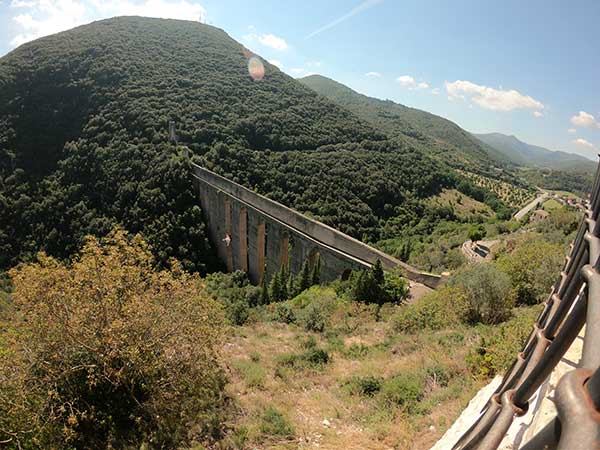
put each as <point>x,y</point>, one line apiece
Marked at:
<point>264,234</point>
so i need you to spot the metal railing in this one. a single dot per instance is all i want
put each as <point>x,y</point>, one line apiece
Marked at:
<point>573,302</point>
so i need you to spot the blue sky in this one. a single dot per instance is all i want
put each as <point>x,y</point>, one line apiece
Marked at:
<point>529,68</point>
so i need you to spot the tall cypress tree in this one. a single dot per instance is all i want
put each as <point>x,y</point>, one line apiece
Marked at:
<point>315,277</point>
<point>291,286</point>
<point>283,275</point>
<point>264,292</point>
<point>377,272</point>
<point>304,277</point>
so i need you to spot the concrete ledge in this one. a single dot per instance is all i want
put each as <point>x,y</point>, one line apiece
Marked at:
<point>315,229</point>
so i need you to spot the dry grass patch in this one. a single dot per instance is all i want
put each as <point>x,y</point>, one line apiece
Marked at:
<point>463,205</point>
<point>321,408</point>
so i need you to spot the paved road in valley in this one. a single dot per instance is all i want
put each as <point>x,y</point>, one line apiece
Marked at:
<point>529,206</point>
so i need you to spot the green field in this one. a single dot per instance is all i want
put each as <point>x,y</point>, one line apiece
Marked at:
<point>551,205</point>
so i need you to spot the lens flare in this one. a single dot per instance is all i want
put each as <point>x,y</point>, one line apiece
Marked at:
<point>256,69</point>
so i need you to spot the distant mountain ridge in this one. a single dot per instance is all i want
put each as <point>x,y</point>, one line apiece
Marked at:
<point>432,133</point>
<point>525,154</point>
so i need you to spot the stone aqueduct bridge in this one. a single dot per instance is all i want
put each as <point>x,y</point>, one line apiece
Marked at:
<point>258,235</point>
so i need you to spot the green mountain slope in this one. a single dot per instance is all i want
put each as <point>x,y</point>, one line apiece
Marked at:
<point>525,154</point>
<point>84,146</point>
<point>432,133</point>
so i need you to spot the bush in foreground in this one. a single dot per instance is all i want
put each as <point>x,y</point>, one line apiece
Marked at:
<point>532,268</point>
<point>108,353</point>
<point>275,424</point>
<point>435,311</point>
<point>488,293</point>
<point>403,390</point>
<point>498,346</point>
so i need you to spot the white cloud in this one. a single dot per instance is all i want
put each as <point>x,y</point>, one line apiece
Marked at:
<point>537,114</point>
<point>265,39</point>
<point>583,143</point>
<point>297,70</point>
<point>314,63</point>
<point>373,74</point>
<point>406,80</point>
<point>42,18</point>
<point>276,63</point>
<point>354,11</point>
<point>490,98</point>
<point>22,4</point>
<point>37,18</point>
<point>410,83</point>
<point>435,91</point>
<point>270,40</point>
<point>572,130</point>
<point>583,119</point>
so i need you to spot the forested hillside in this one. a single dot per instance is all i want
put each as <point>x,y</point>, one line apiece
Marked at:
<point>84,142</point>
<point>431,133</point>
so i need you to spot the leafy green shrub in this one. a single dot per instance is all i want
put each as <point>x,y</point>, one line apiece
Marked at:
<point>313,318</point>
<point>316,357</point>
<point>316,305</point>
<point>254,374</point>
<point>313,358</point>
<point>237,312</point>
<point>450,339</point>
<point>436,310</point>
<point>335,343</point>
<point>498,345</point>
<point>488,292</point>
<point>476,233</point>
<point>284,313</point>
<point>327,297</point>
<point>366,386</point>
<point>404,389</point>
<point>108,351</point>
<point>438,375</point>
<point>235,293</point>
<point>357,351</point>
<point>395,287</point>
<point>275,424</point>
<point>532,268</point>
